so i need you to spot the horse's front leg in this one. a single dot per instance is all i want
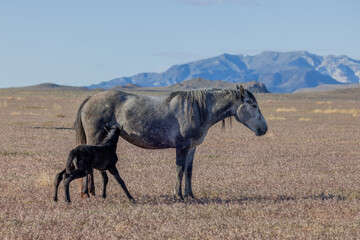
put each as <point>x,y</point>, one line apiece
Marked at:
<point>188,173</point>
<point>181,154</point>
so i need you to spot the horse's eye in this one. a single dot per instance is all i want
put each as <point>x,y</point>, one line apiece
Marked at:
<point>254,106</point>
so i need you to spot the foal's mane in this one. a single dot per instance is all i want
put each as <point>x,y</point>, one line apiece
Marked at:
<point>110,135</point>
<point>200,99</point>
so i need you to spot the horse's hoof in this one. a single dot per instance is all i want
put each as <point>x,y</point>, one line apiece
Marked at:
<point>133,201</point>
<point>84,195</point>
<point>188,196</point>
<point>55,199</point>
<point>178,197</point>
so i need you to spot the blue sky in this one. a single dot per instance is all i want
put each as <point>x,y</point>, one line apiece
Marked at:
<point>83,42</point>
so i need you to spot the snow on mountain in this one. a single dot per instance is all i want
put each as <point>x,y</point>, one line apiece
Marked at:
<point>342,68</point>
<point>279,71</point>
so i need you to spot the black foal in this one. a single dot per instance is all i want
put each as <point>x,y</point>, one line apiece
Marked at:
<point>85,157</point>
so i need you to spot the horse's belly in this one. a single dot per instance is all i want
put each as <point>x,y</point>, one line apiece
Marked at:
<point>150,141</point>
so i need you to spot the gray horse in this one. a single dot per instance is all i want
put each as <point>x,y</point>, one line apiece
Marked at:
<point>180,120</point>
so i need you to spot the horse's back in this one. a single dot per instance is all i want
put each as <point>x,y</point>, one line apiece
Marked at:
<point>147,121</point>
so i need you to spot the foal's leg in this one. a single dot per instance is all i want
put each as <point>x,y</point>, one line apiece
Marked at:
<point>78,173</point>
<point>84,187</point>
<point>58,179</point>
<point>105,181</point>
<point>94,138</point>
<point>180,167</point>
<point>113,170</point>
<point>91,183</point>
<point>188,173</point>
<point>86,183</point>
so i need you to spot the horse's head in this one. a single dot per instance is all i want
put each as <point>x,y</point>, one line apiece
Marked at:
<point>249,114</point>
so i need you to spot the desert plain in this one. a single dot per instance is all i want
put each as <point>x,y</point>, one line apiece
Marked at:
<point>299,181</point>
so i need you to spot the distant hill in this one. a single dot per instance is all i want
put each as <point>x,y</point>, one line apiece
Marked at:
<point>280,71</point>
<point>54,86</point>
<point>197,83</point>
<point>345,94</point>
<point>328,87</point>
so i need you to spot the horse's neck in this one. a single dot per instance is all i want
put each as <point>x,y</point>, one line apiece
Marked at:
<point>222,108</point>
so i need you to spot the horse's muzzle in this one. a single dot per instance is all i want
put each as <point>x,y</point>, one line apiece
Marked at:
<point>261,131</point>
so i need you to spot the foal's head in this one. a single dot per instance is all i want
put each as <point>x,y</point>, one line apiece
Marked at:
<point>113,133</point>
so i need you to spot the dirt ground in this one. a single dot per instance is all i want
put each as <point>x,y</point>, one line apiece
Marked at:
<point>299,181</point>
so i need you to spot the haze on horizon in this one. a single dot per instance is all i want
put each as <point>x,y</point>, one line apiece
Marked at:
<point>80,43</point>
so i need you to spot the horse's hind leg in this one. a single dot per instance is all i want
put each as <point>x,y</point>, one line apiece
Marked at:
<point>188,173</point>
<point>115,173</point>
<point>105,181</point>
<point>180,167</point>
<point>58,179</point>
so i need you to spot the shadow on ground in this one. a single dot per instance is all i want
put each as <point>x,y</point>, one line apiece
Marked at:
<point>168,199</point>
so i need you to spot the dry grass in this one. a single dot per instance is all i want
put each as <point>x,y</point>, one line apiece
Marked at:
<point>291,109</point>
<point>299,181</point>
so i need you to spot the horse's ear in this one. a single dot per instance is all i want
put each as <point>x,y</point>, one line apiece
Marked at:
<point>237,87</point>
<point>242,92</point>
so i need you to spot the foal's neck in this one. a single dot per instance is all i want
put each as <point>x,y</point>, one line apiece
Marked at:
<point>112,139</point>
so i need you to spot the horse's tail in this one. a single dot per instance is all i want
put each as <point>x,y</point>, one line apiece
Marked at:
<point>78,126</point>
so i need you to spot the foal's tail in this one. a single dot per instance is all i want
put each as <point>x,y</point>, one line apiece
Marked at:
<point>69,163</point>
<point>78,126</point>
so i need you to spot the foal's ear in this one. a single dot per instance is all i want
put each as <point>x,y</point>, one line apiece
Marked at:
<point>107,128</point>
<point>119,126</point>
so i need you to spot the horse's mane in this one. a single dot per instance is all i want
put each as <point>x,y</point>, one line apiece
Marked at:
<point>199,98</point>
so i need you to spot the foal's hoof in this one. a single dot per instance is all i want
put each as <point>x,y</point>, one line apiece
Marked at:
<point>133,201</point>
<point>55,199</point>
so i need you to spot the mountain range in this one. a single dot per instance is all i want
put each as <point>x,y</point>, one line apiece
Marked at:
<point>281,72</point>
